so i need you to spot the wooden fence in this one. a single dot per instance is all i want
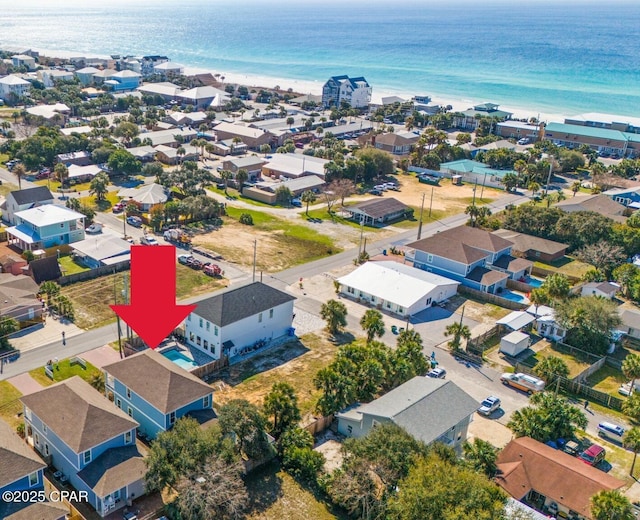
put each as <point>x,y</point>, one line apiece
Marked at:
<point>205,371</point>
<point>519,286</point>
<point>477,344</point>
<point>541,271</point>
<point>320,424</point>
<point>491,298</point>
<point>582,376</point>
<point>94,273</point>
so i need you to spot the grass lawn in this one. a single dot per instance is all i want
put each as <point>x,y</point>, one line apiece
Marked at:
<point>575,364</point>
<point>55,185</point>
<point>65,371</point>
<point>69,266</point>
<point>234,194</point>
<point>296,363</point>
<point>91,298</point>
<point>607,380</point>
<point>567,266</point>
<point>111,198</point>
<point>6,187</point>
<point>275,495</point>
<point>322,214</point>
<point>10,406</point>
<point>3,158</point>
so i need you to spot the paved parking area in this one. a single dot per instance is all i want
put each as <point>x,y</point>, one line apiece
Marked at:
<point>25,384</point>
<point>44,334</point>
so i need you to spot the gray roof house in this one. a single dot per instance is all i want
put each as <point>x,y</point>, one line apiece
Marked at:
<point>377,212</point>
<point>630,321</point>
<point>429,409</point>
<point>21,200</point>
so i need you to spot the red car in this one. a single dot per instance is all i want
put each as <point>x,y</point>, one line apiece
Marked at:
<point>118,208</point>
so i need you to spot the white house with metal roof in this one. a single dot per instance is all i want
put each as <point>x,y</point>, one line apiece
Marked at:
<point>294,165</point>
<point>13,87</point>
<point>396,287</point>
<point>430,410</point>
<point>46,226</point>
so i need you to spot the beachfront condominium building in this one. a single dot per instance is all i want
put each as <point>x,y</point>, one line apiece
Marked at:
<point>12,88</point>
<point>356,92</point>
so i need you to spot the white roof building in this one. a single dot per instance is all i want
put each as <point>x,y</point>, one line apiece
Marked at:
<point>90,170</point>
<point>396,287</point>
<point>294,165</point>
<point>516,320</point>
<point>48,111</point>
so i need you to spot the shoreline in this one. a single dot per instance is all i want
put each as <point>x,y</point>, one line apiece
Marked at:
<point>307,86</point>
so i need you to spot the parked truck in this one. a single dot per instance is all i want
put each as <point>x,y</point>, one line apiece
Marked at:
<point>212,270</point>
<point>523,382</point>
<point>177,236</point>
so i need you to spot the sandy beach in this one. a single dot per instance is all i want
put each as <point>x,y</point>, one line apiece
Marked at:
<point>315,87</point>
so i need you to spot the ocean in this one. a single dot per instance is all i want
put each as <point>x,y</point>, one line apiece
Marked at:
<point>561,56</point>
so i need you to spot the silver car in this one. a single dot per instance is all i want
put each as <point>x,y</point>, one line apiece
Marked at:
<point>489,405</point>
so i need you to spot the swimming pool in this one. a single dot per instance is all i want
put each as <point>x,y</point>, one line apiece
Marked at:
<point>180,359</point>
<point>514,296</point>
<point>534,282</point>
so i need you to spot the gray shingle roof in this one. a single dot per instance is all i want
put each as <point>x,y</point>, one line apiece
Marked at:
<point>165,385</point>
<point>424,407</point>
<point>475,237</point>
<point>378,208</point>
<point>31,195</point>
<point>230,306</point>
<point>17,459</point>
<point>523,242</point>
<point>35,510</point>
<point>486,276</point>
<point>114,469</point>
<point>78,414</point>
<point>447,247</point>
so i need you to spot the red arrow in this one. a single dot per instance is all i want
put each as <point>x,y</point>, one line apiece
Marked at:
<point>153,312</point>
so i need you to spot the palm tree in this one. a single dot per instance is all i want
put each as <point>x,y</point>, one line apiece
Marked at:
<point>481,457</point>
<point>335,314</point>
<point>181,152</point>
<point>19,171</point>
<point>631,441</point>
<point>241,177</point>
<point>539,296</point>
<point>99,186</point>
<point>225,175</point>
<point>290,121</point>
<point>308,197</point>
<point>265,149</point>
<point>575,187</point>
<point>459,332</point>
<point>557,286</point>
<point>551,367</point>
<point>473,212</point>
<point>534,187</point>
<point>631,369</point>
<point>611,505</point>
<point>373,324</point>
<point>5,126</point>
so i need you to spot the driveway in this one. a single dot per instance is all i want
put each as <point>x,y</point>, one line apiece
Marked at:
<point>432,322</point>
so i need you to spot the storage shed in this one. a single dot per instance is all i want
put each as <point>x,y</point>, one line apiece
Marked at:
<point>514,343</point>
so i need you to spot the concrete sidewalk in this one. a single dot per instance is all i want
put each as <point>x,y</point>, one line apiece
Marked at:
<point>25,384</point>
<point>101,356</point>
<point>44,334</point>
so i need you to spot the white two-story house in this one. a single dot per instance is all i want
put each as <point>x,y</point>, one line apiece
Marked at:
<point>12,88</point>
<point>46,226</point>
<point>21,200</point>
<point>229,321</point>
<point>472,256</point>
<point>356,92</point>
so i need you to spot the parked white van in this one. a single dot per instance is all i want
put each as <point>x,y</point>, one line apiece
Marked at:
<point>611,431</point>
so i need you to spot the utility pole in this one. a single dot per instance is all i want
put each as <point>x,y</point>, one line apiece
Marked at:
<point>255,249</point>
<point>483,183</point>
<point>125,294</point>
<point>420,224</point>
<point>546,190</point>
<point>431,202</point>
<point>361,236</point>
<point>115,302</point>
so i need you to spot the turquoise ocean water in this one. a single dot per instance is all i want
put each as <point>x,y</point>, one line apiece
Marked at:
<point>563,56</point>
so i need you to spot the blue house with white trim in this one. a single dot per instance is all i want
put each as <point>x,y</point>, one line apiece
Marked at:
<point>163,395</point>
<point>629,197</point>
<point>471,256</point>
<point>89,441</point>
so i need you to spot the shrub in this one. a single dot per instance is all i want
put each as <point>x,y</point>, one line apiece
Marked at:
<point>246,219</point>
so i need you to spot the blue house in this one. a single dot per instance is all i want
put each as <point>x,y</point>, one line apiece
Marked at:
<point>90,442</point>
<point>472,256</point>
<point>46,226</point>
<point>124,80</point>
<point>629,197</point>
<point>21,469</point>
<point>156,392</point>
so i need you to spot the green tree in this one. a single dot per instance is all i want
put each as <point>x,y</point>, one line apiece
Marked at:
<point>245,422</point>
<point>308,197</point>
<point>510,181</point>
<point>225,175</point>
<point>481,456</point>
<point>603,255</point>
<point>458,331</point>
<point>611,505</point>
<point>19,171</point>
<point>241,177</point>
<point>265,149</point>
<point>123,162</point>
<point>283,195</point>
<point>372,322</point>
<point>377,163</point>
<point>7,327</point>
<point>50,289</point>
<point>539,296</point>
<point>338,390</point>
<point>557,286</point>
<point>631,368</point>
<point>127,131</point>
<point>631,442</point>
<point>438,490</point>
<point>62,173</point>
<point>626,275</point>
<point>335,314</point>
<point>152,169</point>
<point>97,382</point>
<point>281,403</point>
<point>575,187</point>
<point>550,368</point>
<point>298,455</point>
<point>99,186</point>
<point>548,417</point>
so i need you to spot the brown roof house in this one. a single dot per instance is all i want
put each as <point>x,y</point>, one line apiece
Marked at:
<point>377,212</point>
<point>400,143</point>
<point>165,393</point>
<point>549,480</point>
<point>88,440</point>
<point>534,248</point>
<point>18,295</point>
<point>21,469</point>
<point>472,256</point>
<point>601,203</point>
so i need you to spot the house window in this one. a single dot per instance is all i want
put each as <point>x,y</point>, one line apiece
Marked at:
<point>127,438</point>
<point>31,313</point>
<point>270,313</point>
<point>33,479</point>
<point>119,403</point>
<point>44,428</point>
<point>46,449</point>
<point>429,258</point>
<point>350,290</point>
<point>205,401</point>
<point>350,429</point>
<point>428,302</point>
<point>86,456</point>
<point>129,411</point>
<point>388,305</point>
<point>27,413</point>
<point>260,318</point>
<point>189,317</point>
<point>374,423</point>
<point>37,439</point>
<point>373,299</point>
<point>215,330</point>
<point>62,225</point>
<point>201,322</point>
<point>172,417</point>
<point>198,340</point>
<point>205,344</point>
<point>192,337</point>
<point>208,326</point>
